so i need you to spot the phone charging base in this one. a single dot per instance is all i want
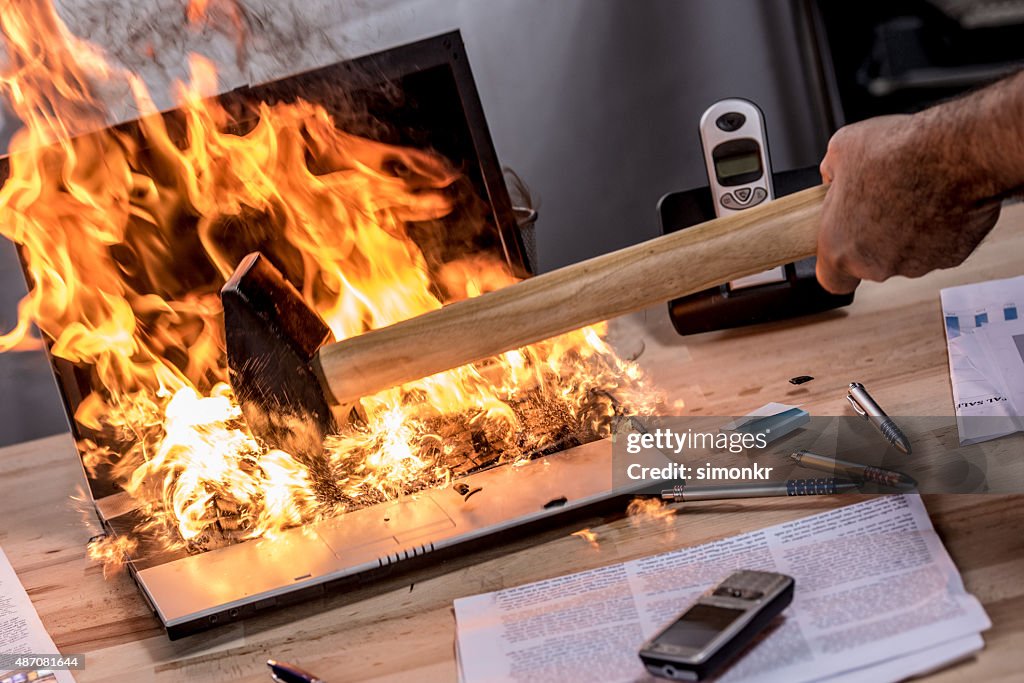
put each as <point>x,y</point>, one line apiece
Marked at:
<point>721,307</point>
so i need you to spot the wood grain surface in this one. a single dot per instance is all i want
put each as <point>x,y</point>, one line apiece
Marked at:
<point>891,339</point>
<point>569,298</point>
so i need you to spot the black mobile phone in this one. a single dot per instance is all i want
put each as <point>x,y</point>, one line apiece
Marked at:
<point>718,626</point>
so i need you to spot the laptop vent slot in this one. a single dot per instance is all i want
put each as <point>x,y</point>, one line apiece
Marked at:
<point>407,554</point>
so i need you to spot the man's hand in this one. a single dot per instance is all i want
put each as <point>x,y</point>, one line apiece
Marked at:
<point>903,199</point>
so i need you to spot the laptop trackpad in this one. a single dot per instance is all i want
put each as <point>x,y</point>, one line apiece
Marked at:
<point>394,523</point>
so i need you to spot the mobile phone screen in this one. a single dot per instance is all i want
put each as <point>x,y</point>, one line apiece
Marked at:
<point>699,625</point>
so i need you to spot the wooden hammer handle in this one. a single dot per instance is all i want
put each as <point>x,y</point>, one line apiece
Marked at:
<point>614,284</point>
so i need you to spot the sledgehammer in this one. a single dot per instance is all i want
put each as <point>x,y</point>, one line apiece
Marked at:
<point>288,374</point>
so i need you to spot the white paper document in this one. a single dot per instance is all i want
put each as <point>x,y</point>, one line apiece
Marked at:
<point>877,599</point>
<point>21,631</point>
<point>974,315</point>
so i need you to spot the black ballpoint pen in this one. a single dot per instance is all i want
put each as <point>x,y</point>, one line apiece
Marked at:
<point>289,673</point>
<point>866,407</point>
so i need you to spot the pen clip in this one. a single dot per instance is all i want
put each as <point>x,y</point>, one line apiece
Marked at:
<point>857,407</point>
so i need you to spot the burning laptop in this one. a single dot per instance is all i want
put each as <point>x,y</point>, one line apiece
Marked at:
<point>373,187</point>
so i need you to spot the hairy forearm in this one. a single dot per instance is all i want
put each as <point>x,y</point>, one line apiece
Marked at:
<point>980,140</point>
<point>909,194</point>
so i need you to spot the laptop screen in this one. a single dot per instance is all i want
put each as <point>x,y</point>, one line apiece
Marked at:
<point>374,188</point>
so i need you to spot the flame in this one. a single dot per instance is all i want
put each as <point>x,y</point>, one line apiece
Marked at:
<point>106,218</point>
<point>647,511</point>
<point>111,551</point>
<point>589,536</point>
<point>195,10</point>
<point>224,16</point>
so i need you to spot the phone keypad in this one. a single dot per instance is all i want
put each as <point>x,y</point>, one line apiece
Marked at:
<point>743,198</point>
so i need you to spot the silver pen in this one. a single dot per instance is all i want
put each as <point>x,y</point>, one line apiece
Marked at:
<point>825,486</point>
<point>866,407</point>
<point>855,471</point>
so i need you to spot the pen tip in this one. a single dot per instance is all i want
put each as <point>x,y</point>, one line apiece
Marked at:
<point>908,484</point>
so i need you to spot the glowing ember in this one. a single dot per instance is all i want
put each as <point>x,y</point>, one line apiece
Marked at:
<point>105,222</point>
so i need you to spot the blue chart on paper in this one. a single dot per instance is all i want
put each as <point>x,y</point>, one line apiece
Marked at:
<point>957,324</point>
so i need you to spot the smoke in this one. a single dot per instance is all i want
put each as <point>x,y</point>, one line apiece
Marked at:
<point>251,41</point>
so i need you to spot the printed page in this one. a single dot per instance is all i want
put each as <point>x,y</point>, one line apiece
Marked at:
<point>968,307</point>
<point>919,663</point>
<point>982,407</point>
<point>1003,345</point>
<point>21,631</point>
<point>873,583</point>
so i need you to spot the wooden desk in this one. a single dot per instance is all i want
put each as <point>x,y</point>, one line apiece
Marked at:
<point>891,339</point>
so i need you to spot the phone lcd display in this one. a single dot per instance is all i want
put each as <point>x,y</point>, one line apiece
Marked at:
<point>730,167</point>
<point>737,162</point>
<point>699,625</point>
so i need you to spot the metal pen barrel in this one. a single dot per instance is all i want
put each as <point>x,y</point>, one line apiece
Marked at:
<point>871,409</point>
<point>868,408</point>
<point>855,471</point>
<point>837,467</point>
<point>794,487</point>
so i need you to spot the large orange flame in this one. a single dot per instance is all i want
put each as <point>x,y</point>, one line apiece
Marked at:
<point>104,218</point>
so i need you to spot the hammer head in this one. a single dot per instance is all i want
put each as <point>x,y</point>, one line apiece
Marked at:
<point>272,337</point>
